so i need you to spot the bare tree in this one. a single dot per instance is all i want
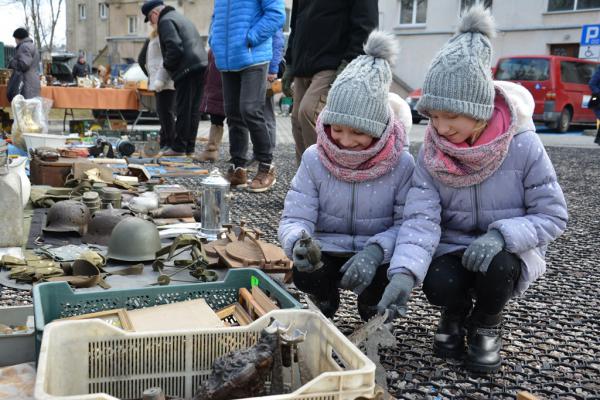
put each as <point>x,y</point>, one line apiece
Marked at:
<point>36,14</point>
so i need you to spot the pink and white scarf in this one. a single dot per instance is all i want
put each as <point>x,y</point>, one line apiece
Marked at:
<point>461,165</point>
<point>363,165</point>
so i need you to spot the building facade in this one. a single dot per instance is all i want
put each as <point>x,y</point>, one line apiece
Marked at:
<point>113,31</point>
<point>525,27</point>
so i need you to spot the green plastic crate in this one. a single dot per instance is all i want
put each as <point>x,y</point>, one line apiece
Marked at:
<point>54,300</point>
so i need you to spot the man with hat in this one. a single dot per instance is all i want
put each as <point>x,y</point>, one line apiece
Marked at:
<point>25,65</point>
<point>185,59</point>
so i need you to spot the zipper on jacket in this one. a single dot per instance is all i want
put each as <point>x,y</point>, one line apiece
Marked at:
<point>352,219</point>
<point>476,204</point>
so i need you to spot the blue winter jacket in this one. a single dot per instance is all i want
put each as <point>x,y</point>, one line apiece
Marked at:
<point>241,32</point>
<point>522,199</point>
<point>344,217</point>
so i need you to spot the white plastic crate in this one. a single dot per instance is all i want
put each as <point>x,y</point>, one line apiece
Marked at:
<point>93,360</point>
<point>35,140</point>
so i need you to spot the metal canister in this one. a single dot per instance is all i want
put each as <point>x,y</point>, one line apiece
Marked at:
<point>92,201</point>
<point>98,186</point>
<point>112,196</point>
<point>215,204</point>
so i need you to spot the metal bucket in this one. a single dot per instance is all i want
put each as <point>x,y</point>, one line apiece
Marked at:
<point>215,204</point>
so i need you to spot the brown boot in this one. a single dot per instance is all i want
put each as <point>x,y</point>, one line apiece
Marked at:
<point>211,152</point>
<point>237,177</point>
<point>264,178</point>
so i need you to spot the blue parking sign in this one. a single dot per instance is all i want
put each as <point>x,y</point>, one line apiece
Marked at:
<point>590,35</point>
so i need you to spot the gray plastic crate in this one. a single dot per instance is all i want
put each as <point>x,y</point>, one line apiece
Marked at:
<point>17,348</point>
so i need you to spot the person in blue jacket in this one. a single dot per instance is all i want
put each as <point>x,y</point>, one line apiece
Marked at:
<point>595,87</point>
<point>241,37</point>
<point>484,203</point>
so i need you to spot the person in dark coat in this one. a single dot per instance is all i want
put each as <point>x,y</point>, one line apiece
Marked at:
<point>212,103</point>
<point>325,37</point>
<point>81,69</point>
<point>595,87</point>
<point>26,62</point>
<point>185,59</point>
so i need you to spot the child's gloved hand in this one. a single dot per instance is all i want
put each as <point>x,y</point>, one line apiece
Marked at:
<point>286,81</point>
<point>396,294</point>
<point>481,251</point>
<point>361,268</point>
<point>300,257</point>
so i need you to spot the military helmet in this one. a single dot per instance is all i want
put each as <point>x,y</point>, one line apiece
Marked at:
<point>134,239</point>
<point>67,216</point>
<point>102,224</point>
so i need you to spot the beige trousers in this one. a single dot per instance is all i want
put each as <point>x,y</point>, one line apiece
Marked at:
<point>310,96</point>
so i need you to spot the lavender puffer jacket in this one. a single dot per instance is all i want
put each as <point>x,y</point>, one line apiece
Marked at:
<point>522,199</point>
<point>344,217</point>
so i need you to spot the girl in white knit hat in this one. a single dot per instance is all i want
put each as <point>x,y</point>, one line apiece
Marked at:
<point>485,202</point>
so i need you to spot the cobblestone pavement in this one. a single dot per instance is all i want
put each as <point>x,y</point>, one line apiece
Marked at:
<point>551,340</point>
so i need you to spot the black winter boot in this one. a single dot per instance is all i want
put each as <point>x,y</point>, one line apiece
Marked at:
<point>484,342</point>
<point>449,338</point>
<point>597,140</point>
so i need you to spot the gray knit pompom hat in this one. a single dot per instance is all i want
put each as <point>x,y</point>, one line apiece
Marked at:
<point>359,96</point>
<point>459,79</point>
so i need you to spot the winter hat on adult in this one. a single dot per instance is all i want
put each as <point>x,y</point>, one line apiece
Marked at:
<point>459,79</point>
<point>359,96</point>
<point>20,33</point>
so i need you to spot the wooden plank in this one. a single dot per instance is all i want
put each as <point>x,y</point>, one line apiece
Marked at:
<point>263,300</point>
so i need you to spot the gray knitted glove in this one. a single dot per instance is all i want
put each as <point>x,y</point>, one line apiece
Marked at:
<point>361,268</point>
<point>396,294</point>
<point>481,251</point>
<point>299,257</point>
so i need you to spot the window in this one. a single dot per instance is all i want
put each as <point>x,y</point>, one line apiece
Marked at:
<point>523,69</point>
<point>413,12</point>
<point>131,24</point>
<point>574,72</point>
<point>465,4</point>
<point>82,11</point>
<point>103,10</point>
<point>571,5</point>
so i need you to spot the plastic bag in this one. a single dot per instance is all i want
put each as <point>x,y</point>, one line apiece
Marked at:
<point>30,116</point>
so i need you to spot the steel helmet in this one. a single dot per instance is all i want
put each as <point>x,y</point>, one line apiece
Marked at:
<point>102,225</point>
<point>134,239</point>
<point>67,216</point>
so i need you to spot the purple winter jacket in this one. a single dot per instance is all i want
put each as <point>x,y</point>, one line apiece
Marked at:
<point>212,97</point>
<point>522,199</point>
<point>344,217</point>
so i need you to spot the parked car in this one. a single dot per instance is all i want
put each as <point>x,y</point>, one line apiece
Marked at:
<point>412,99</point>
<point>62,66</point>
<point>559,86</point>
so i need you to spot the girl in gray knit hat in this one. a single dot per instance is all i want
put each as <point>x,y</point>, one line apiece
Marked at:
<point>349,191</point>
<point>485,202</point>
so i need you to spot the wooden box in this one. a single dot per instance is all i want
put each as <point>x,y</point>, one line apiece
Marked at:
<point>53,173</point>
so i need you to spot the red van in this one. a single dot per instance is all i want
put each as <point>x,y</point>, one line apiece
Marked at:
<point>559,86</point>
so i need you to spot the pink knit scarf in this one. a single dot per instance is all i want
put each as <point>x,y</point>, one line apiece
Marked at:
<point>363,165</point>
<point>461,166</point>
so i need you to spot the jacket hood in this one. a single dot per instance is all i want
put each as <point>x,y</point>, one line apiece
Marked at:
<point>520,102</point>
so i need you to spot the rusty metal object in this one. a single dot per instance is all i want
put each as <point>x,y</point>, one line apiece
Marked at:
<point>67,216</point>
<point>102,225</point>
<point>313,251</point>
<point>173,211</point>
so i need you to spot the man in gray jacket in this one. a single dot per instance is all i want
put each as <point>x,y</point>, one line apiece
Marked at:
<point>185,59</point>
<point>26,62</point>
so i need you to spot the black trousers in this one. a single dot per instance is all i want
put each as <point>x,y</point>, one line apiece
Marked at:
<point>216,119</point>
<point>244,93</point>
<point>448,284</point>
<point>165,108</point>
<point>188,93</point>
<point>323,284</point>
